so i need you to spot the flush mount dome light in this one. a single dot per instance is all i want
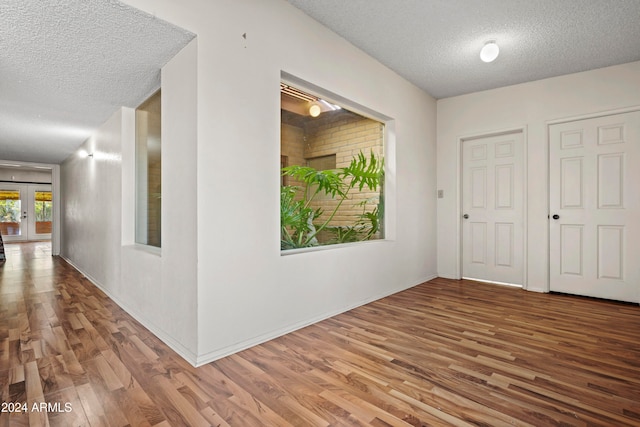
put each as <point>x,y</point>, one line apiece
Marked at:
<point>489,51</point>
<point>314,110</point>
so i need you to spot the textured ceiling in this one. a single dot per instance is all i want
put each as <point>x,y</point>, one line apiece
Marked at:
<point>435,44</point>
<point>67,65</point>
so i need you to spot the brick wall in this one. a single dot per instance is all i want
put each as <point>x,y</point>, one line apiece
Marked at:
<point>154,202</point>
<point>344,134</point>
<point>340,133</point>
<point>43,227</point>
<point>10,228</point>
<point>292,146</point>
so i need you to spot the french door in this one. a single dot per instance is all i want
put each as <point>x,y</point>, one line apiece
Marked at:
<point>594,228</point>
<point>26,212</point>
<point>493,208</point>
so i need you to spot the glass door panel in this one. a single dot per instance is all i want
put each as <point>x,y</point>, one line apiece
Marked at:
<point>12,212</point>
<point>41,215</point>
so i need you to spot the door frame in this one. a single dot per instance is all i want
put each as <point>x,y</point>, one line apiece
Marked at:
<point>459,191</point>
<point>548,125</point>
<point>27,197</point>
<point>56,231</point>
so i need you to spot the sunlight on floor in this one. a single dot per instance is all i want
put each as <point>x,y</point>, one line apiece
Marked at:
<point>28,260</point>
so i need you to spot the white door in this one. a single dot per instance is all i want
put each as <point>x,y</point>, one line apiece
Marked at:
<point>39,212</point>
<point>594,229</point>
<point>13,212</point>
<point>25,212</point>
<point>492,207</point>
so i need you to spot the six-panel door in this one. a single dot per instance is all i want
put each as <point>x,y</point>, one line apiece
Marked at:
<point>492,207</point>
<point>594,188</point>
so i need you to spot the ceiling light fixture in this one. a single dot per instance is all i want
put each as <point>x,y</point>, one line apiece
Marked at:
<point>314,110</point>
<point>489,51</point>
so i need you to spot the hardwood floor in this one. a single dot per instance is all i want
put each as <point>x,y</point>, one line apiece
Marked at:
<point>442,353</point>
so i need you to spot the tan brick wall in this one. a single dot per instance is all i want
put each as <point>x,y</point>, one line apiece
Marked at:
<point>43,227</point>
<point>10,228</point>
<point>340,133</point>
<point>292,146</point>
<point>154,204</point>
<point>344,134</point>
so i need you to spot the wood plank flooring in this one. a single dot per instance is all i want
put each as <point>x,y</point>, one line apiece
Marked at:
<point>442,353</point>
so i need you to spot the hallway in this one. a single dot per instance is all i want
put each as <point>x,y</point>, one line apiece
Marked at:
<point>53,326</point>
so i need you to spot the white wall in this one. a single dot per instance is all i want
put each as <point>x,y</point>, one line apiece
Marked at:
<point>15,174</point>
<point>530,106</point>
<point>247,291</point>
<point>157,287</point>
<point>160,287</point>
<point>91,205</point>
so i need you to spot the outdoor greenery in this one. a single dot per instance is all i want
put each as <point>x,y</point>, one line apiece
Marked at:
<point>9,210</point>
<point>297,217</point>
<point>43,211</point>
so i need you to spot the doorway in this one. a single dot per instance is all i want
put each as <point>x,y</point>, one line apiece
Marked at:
<point>26,212</point>
<point>594,232</point>
<point>492,204</point>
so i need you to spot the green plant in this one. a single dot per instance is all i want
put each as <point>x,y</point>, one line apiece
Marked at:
<point>298,229</point>
<point>43,211</point>
<point>367,225</point>
<point>10,211</point>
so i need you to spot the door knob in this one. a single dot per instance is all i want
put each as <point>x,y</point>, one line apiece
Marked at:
<point>556,216</point>
<point>465,216</point>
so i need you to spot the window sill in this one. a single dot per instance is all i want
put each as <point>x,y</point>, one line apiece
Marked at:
<point>287,252</point>
<point>146,249</point>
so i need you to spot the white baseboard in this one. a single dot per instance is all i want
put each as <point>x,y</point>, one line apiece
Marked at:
<point>182,351</point>
<point>449,276</point>
<point>203,359</point>
<point>243,345</point>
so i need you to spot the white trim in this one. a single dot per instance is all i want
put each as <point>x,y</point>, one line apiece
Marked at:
<point>546,288</point>
<point>55,191</point>
<point>152,250</point>
<point>585,116</point>
<point>286,252</point>
<point>525,207</point>
<point>197,360</point>
<point>182,351</point>
<point>458,236</point>
<point>212,356</point>
<point>333,98</point>
<point>389,147</point>
<point>56,231</point>
<point>16,163</point>
<point>525,178</point>
<point>513,285</point>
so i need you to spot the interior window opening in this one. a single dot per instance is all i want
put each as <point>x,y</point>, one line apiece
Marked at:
<point>333,176</point>
<point>148,172</point>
